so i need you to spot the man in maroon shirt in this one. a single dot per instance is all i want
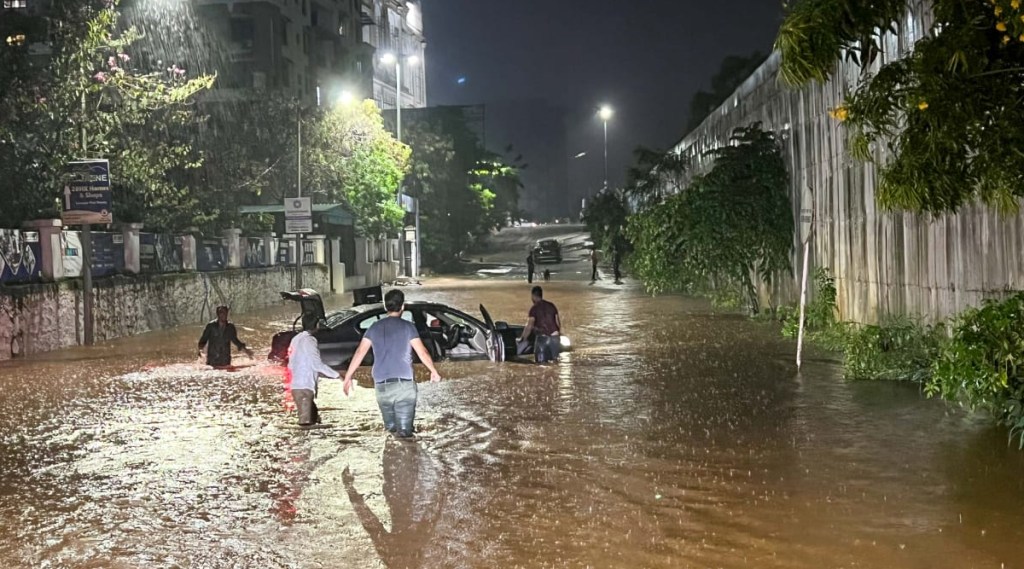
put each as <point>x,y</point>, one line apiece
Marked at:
<point>543,320</point>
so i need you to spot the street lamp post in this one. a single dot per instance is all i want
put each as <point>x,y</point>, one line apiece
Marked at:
<point>397,60</point>
<point>605,113</point>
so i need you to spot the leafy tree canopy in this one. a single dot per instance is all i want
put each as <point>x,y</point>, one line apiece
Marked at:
<point>136,117</point>
<point>727,227</point>
<point>948,115</point>
<point>732,72</point>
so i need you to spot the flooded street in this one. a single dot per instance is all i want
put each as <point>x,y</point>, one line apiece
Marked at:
<point>671,437</point>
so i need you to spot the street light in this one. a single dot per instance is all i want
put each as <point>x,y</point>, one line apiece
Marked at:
<point>605,113</point>
<point>397,60</point>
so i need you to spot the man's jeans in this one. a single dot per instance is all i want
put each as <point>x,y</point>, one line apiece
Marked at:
<point>397,401</point>
<point>546,348</point>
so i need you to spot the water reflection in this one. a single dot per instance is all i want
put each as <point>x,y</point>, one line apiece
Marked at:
<point>415,500</point>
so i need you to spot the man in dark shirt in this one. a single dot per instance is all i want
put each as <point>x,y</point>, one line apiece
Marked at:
<point>530,267</point>
<point>544,320</point>
<point>219,335</point>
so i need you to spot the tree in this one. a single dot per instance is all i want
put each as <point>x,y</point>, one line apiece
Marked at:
<point>948,114</point>
<point>655,176</point>
<point>137,118</point>
<point>464,190</point>
<point>727,228</point>
<point>605,218</point>
<point>351,157</point>
<point>732,72</point>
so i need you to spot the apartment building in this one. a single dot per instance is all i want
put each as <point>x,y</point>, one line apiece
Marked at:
<point>396,27</point>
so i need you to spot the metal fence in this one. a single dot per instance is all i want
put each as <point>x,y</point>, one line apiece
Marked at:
<point>884,263</point>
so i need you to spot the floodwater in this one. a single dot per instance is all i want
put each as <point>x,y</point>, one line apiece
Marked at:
<point>671,437</point>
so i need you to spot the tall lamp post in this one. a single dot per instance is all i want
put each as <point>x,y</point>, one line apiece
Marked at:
<point>397,61</point>
<point>605,113</point>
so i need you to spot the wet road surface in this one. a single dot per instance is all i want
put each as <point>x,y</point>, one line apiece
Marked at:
<point>671,437</point>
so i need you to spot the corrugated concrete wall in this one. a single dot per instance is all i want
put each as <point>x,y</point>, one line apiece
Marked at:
<point>884,263</point>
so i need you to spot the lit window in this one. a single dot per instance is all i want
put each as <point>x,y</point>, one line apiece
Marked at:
<point>15,4</point>
<point>17,39</point>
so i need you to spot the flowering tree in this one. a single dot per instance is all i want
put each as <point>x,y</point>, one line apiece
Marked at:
<point>92,100</point>
<point>949,114</point>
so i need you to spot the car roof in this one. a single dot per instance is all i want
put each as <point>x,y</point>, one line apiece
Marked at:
<point>380,306</point>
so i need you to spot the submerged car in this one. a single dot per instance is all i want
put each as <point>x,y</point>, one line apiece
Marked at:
<point>448,333</point>
<point>547,251</point>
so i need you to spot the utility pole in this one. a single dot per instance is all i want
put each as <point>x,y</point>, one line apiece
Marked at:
<point>298,193</point>
<point>87,320</point>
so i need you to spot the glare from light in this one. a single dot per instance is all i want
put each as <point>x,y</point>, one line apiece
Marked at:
<point>564,341</point>
<point>580,155</point>
<point>605,113</point>
<point>346,97</point>
<point>412,59</point>
<point>388,58</point>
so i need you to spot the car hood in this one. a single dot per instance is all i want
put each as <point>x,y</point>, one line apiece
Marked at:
<point>311,305</point>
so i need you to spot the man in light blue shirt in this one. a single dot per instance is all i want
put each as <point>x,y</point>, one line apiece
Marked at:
<point>393,340</point>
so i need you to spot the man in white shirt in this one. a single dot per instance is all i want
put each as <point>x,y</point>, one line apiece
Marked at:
<point>305,368</point>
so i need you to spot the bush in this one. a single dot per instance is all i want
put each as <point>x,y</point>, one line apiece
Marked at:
<point>983,364</point>
<point>819,314</point>
<point>899,349</point>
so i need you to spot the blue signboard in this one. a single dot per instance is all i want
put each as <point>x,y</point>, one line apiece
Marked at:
<point>107,254</point>
<point>87,198</point>
<point>21,256</point>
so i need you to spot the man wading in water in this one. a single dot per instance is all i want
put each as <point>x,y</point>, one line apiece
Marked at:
<point>393,341</point>
<point>220,334</point>
<point>543,319</point>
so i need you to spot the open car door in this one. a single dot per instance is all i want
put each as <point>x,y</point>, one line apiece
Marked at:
<point>495,343</point>
<point>311,307</point>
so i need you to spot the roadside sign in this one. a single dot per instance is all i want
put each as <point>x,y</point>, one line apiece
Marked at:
<point>87,198</point>
<point>806,214</point>
<point>298,215</point>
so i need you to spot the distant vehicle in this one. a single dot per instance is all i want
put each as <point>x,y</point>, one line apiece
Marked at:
<point>447,332</point>
<point>547,251</point>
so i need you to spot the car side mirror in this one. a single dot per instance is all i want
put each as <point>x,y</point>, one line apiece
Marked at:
<point>501,325</point>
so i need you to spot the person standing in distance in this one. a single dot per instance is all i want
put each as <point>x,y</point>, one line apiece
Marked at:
<point>305,368</point>
<point>545,321</point>
<point>393,340</point>
<point>530,267</point>
<point>220,334</point>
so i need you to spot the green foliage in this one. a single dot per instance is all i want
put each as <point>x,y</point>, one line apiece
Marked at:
<point>137,118</point>
<point>728,227</point>
<point>464,190</point>
<point>948,114</point>
<point>898,349</point>
<point>983,364</point>
<point>820,312</point>
<point>732,72</point>
<point>605,218</point>
<point>655,176</point>
<point>352,158</point>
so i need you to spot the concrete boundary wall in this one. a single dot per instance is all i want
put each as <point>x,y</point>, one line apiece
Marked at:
<point>42,317</point>
<point>884,263</point>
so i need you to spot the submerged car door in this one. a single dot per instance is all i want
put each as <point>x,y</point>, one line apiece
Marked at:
<point>495,343</point>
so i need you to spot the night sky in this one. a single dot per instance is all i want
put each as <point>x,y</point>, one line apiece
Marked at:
<point>646,58</point>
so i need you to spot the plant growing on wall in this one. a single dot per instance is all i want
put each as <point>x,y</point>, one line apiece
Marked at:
<point>948,115</point>
<point>728,228</point>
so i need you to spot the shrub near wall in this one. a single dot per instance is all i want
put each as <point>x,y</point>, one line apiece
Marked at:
<point>982,366</point>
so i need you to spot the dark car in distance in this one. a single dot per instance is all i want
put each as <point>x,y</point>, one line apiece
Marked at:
<point>547,251</point>
<point>447,332</point>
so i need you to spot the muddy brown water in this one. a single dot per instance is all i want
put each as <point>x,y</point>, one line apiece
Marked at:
<point>671,437</point>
